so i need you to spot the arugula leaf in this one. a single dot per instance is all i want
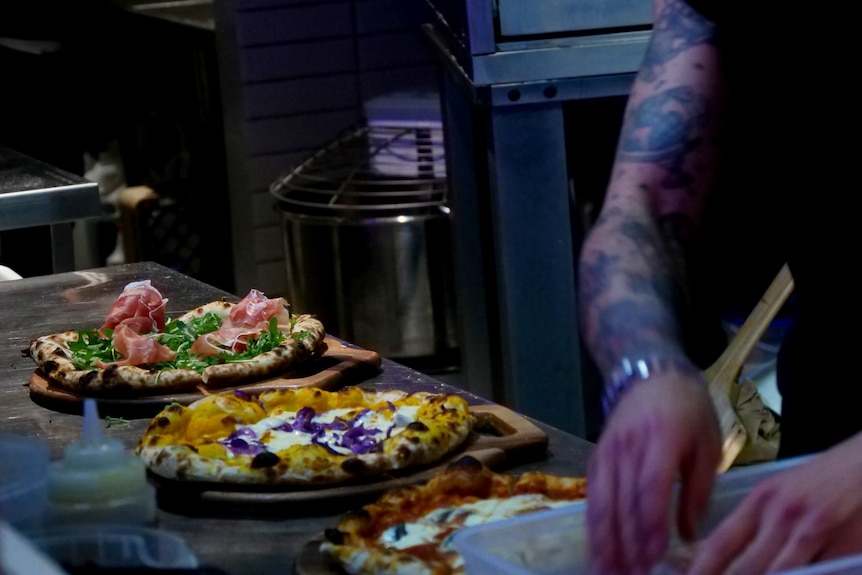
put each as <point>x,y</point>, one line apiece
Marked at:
<point>90,347</point>
<point>266,341</point>
<point>109,421</point>
<point>179,336</point>
<point>301,335</point>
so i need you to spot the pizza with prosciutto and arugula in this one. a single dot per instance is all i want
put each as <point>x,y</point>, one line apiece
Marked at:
<point>410,530</point>
<point>139,350</point>
<point>304,436</point>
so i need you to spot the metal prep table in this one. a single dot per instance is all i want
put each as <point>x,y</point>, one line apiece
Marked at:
<point>33,193</point>
<point>509,68</point>
<point>261,539</point>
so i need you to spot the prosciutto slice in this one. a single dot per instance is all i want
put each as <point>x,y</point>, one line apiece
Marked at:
<point>255,310</point>
<point>247,319</point>
<point>140,307</point>
<point>137,349</point>
<point>231,338</point>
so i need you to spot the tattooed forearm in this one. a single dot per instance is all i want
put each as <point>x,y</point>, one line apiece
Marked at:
<point>633,308</point>
<point>677,28</point>
<point>595,277</point>
<point>636,324</point>
<point>664,129</point>
<point>634,298</point>
<point>631,329</point>
<point>676,230</point>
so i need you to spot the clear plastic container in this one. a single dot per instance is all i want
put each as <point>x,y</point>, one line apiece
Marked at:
<point>23,480</point>
<point>116,547</point>
<point>554,542</point>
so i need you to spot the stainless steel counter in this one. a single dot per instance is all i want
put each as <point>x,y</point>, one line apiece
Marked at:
<point>33,193</point>
<point>194,13</point>
<point>253,540</point>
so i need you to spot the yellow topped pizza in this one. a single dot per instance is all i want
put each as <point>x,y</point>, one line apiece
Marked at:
<point>303,436</point>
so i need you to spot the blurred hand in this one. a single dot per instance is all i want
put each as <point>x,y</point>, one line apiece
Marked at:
<point>662,430</point>
<point>805,514</point>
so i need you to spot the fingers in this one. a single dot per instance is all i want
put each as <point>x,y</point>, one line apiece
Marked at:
<point>640,455</point>
<point>810,530</point>
<point>716,552</point>
<point>656,482</point>
<point>775,528</point>
<point>633,539</point>
<point>806,543</point>
<point>697,479</point>
<point>628,516</point>
<point>601,492</point>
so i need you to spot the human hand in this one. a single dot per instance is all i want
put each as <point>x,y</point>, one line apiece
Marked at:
<point>661,430</point>
<point>802,515</point>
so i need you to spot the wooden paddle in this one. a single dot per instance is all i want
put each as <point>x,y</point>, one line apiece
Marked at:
<point>725,372</point>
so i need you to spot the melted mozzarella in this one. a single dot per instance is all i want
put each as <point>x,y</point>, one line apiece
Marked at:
<point>276,441</point>
<point>437,525</point>
<point>386,422</point>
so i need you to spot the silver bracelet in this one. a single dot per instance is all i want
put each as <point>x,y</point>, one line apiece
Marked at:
<point>631,371</point>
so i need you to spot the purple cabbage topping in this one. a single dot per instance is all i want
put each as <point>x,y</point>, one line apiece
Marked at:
<point>284,427</point>
<point>241,446</point>
<point>355,438</point>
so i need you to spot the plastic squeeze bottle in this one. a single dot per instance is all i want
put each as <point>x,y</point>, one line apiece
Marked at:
<point>98,481</point>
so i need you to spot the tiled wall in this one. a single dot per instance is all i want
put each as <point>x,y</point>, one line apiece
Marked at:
<point>294,74</point>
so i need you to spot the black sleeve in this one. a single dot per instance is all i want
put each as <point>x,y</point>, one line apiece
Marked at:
<point>710,9</point>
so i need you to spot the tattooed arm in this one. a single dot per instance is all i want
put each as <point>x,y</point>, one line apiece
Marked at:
<point>632,291</point>
<point>632,264</point>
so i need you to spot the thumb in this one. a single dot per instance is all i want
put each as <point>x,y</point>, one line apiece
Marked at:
<point>697,479</point>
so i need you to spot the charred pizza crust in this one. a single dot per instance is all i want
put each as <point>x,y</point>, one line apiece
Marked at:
<point>423,518</point>
<point>53,358</point>
<point>234,438</point>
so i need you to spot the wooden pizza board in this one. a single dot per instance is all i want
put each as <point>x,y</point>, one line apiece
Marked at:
<point>500,435</point>
<point>335,366</point>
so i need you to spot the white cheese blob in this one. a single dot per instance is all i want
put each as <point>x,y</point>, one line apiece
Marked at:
<point>442,522</point>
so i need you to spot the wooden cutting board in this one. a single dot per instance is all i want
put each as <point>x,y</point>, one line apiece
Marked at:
<point>336,366</point>
<point>500,434</point>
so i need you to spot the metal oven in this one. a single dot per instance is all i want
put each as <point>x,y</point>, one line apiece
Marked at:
<point>519,85</point>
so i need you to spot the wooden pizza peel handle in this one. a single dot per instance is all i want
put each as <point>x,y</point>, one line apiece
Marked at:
<point>512,433</point>
<point>490,457</point>
<point>724,373</point>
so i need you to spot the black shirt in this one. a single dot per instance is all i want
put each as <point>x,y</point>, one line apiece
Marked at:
<point>790,159</point>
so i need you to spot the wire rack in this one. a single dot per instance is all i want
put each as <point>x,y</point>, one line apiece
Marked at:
<point>379,169</point>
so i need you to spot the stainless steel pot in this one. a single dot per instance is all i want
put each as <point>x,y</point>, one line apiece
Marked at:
<point>370,253</point>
